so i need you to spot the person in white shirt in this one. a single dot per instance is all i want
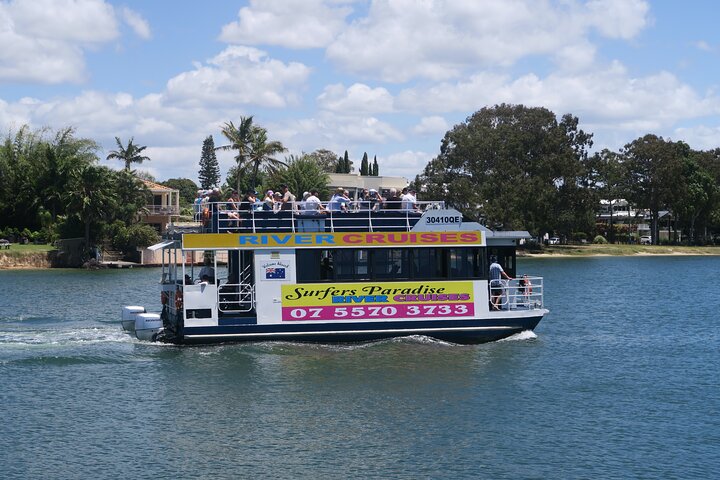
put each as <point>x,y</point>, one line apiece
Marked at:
<point>313,206</point>
<point>408,201</point>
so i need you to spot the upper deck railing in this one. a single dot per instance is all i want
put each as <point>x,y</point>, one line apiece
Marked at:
<point>219,217</point>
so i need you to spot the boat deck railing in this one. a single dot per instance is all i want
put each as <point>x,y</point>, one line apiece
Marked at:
<point>515,296</point>
<point>358,216</point>
<point>236,298</point>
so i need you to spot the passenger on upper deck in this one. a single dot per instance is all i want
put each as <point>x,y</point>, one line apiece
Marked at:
<point>376,201</point>
<point>408,200</point>
<point>313,206</point>
<point>363,203</point>
<point>277,202</point>
<point>301,203</point>
<point>248,201</point>
<point>339,202</point>
<point>288,198</point>
<point>268,201</point>
<point>232,207</point>
<point>393,201</point>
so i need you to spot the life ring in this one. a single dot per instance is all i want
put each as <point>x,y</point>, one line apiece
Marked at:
<point>178,299</point>
<point>164,297</point>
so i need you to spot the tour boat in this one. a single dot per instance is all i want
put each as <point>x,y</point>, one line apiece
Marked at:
<point>338,276</point>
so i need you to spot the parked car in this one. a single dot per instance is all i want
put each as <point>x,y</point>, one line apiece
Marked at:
<point>554,241</point>
<point>646,240</point>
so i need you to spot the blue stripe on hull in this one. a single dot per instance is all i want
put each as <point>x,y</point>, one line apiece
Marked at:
<point>456,331</point>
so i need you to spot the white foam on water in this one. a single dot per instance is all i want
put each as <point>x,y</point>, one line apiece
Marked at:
<point>524,335</point>
<point>76,336</point>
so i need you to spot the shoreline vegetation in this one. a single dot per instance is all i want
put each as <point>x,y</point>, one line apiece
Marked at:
<point>35,257</point>
<point>618,250</point>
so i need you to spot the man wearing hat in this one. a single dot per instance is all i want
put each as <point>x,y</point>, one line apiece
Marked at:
<point>288,198</point>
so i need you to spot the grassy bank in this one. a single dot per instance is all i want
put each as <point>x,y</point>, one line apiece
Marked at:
<point>621,250</point>
<point>18,249</point>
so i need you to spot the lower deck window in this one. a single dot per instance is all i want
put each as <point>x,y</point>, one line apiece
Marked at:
<point>390,264</point>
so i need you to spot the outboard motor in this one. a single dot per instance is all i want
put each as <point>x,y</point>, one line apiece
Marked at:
<point>129,314</point>
<point>147,325</point>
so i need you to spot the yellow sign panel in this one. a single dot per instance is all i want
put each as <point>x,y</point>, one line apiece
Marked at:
<point>330,240</point>
<point>381,300</point>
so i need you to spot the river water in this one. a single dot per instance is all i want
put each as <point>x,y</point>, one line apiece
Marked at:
<point>620,380</point>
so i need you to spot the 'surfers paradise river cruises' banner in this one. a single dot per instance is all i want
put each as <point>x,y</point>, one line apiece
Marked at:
<point>377,301</point>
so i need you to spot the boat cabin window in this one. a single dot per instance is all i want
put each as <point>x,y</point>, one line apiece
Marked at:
<point>391,264</point>
<point>506,258</point>
<point>351,264</point>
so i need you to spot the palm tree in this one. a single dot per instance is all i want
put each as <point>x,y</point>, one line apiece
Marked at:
<point>240,138</point>
<point>262,153</point>
<point>129,154</point>
<point>253,148</point>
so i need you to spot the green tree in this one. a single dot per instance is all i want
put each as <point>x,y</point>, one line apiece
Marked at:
<point>302,174</point>
<point>364,167</point>
<point>608,179</point>
<point>58,161</point>
<point>698,198</point>
<point>130,196</point>
<point>90,198</point>
<point>209,174</point>
<point>511,166</point>
<point>129,154</point>
<point>240,138</point>
<point>375,168</point>
<point>262,154</point>
<point>344,164</point>
<point>327,159</point>
<point>655,168</point>
<point>188,189</point>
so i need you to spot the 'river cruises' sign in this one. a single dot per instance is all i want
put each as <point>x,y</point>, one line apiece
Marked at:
<point>367,301</point>
<point>330,240</point>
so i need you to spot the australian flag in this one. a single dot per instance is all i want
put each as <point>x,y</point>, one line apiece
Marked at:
<point>274,273</point>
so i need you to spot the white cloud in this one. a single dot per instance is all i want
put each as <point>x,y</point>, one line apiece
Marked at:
<point>336,133</point>
<point>287,23</point>
<point>431,125</point>
<point>618,18</point>
<point>699,137</point>
<point>403,39</point>
<point>139,25</point>
<point>703,45</point>
<point>44,41</point>
<point>358,98</point>
<point>600,96</point>
<point>239,75</point>
<point>404,164</point>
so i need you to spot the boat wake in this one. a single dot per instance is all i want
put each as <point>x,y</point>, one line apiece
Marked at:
<point>524,335</point>
<point>58,337</point>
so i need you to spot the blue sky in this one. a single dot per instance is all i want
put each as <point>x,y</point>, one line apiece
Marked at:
<point>386,77</point>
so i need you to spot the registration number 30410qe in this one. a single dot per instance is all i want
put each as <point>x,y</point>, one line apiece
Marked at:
<point>443,220</point>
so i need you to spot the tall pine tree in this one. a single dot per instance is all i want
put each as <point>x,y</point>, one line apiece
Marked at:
<point>375,168</point>
<point>209,174</point>
<point>364,166</point>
